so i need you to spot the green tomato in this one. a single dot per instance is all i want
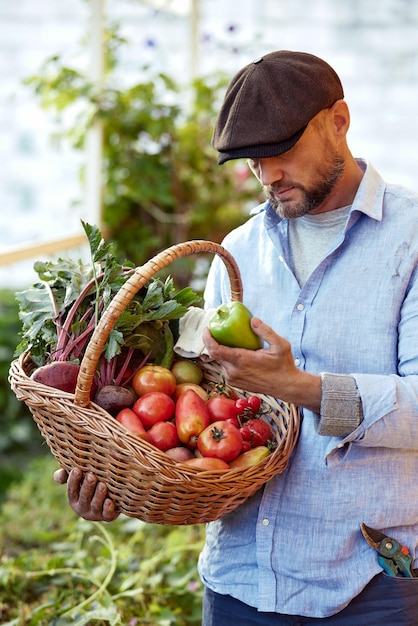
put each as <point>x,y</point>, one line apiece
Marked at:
<point>230,326</point>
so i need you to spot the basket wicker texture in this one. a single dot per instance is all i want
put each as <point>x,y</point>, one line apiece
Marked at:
<point>143,481</point>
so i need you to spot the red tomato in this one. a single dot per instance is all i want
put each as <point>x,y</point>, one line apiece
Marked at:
<point>245,446</point>
<point>153,378</point>
<point>131,421</point>
<point>163,435</point>
<point>254,403</point>
<point>257,432</point>
<point>191,417</point>
<point>206,463</point>
<point>241,405</point>
<point>154,407</point>
<point>221,440</point>
<point>221,408</point>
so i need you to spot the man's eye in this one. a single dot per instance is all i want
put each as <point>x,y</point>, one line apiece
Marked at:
<point>252,163</point>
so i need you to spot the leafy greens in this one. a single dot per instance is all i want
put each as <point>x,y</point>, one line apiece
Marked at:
<point>59,313</point>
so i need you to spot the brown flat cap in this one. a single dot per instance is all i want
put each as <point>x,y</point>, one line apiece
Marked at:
<point>269,103</point>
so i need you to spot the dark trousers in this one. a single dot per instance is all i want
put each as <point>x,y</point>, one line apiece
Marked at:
<point>385,601</point>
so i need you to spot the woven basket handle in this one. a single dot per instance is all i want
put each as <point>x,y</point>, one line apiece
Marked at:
<point>127,292</point>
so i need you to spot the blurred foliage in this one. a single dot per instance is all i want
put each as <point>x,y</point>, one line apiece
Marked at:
<point>161,181</point>
<point>19,436</point>
<point>58,569</point>
<point>161,186</point>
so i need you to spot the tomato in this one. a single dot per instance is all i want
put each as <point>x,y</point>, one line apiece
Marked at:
<point>186,371</point>
<point>248,407</point>
<point>241,405</point>
<point>221,440</point>
<point>154,407</point>
<point>206,463</point>
<point>131,421</point>
<point>221,408</point>
<point>183,386</point>
<point>153,378</point>
<point>257,432</point>
<point>191,417</point>
<point>245,445</point>
<point>250,458</point>
<point>222,389</point>
<point>163,435</point>
<point>254,403</point>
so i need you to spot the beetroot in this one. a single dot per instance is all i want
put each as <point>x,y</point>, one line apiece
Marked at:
<point>113,398</point>
<point>59,374</point>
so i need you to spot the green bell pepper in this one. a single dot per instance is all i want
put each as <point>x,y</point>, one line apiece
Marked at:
<point>230,326</point>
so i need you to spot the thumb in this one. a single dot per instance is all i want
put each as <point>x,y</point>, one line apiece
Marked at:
<point>263,330</point>
<point>60,476</point>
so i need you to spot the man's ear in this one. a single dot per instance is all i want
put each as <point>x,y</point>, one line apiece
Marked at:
<point>340,116</point>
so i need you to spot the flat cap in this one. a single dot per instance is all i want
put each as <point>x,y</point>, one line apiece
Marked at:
<point>269,103</point>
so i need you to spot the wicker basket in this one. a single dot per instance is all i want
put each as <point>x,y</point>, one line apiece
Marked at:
<point>144,482</point>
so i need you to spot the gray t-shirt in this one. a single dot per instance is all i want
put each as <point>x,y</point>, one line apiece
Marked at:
<point>311,237</point>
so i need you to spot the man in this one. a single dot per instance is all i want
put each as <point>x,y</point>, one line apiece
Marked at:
<point>329,266</point>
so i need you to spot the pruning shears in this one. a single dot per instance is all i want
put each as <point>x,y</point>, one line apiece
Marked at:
<point>395,558</point>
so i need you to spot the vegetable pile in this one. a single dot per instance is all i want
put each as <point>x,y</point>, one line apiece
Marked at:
<point>139,380</point>
<point>60,312</point>
<point>207,427</point>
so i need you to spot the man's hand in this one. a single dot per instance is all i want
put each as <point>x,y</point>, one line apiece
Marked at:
<point>87,496</point>
<point>271,371</point>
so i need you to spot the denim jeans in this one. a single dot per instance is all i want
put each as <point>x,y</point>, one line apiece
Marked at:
<point>385,601</point>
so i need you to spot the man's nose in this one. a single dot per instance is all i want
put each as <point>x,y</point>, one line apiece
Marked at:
<point>269,171</point>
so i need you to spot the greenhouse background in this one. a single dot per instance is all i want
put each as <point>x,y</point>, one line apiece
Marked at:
<point>372,44</point>
<point>54,566</point>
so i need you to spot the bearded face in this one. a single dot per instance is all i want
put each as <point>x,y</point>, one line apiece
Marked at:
<point>304,198</point>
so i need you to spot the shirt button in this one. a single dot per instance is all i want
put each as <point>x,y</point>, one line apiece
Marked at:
<point>300,307</point>
<point>266,522</point>
<point>297,362</point>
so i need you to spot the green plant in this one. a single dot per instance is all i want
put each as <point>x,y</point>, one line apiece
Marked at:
<point>161,183</point>
<point>19,437</point>
<point>58,569</point>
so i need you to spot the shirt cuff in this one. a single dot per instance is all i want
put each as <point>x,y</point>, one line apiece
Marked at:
<point>341,409</point>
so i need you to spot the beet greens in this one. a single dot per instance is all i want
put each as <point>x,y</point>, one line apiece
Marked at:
<point>59,313</point>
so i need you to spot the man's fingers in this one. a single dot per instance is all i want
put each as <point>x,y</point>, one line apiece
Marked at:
<point>109,513</point>
<point>89,498</point>
<point>60,476</point>
<point>264,331</point>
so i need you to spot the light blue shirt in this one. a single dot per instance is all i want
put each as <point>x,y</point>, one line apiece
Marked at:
<point>296,546</point>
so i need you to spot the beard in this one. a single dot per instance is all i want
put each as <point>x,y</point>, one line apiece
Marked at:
<point>328,175</point>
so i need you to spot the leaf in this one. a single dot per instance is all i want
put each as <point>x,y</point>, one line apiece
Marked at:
<point>167,310</point>
<point>154,296</point>
<point>187,297</point>
<point>114,344</point>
